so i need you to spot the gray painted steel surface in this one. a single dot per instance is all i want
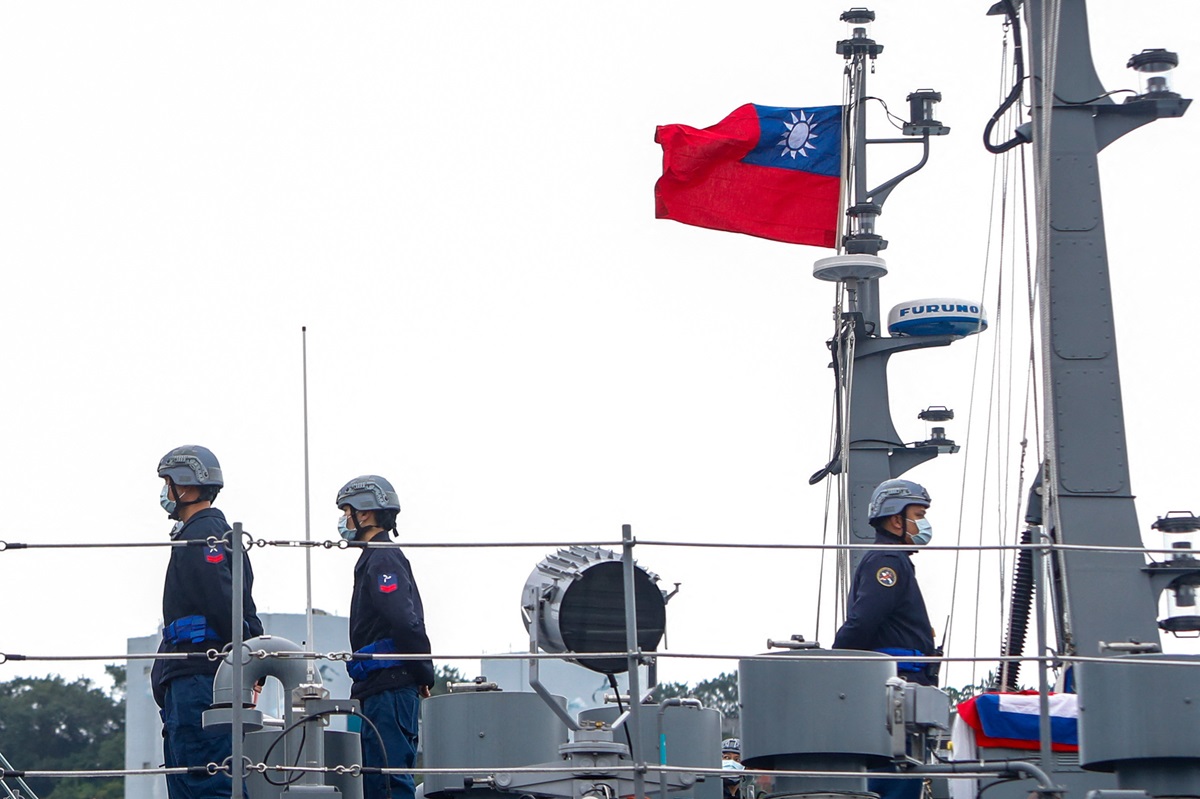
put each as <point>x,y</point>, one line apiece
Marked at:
<point>479,731</point>
<point>1084,406</point>
<point>1151,745</point>
<point>693,738</point>
<point>798,712</point>
<point>341,748</point>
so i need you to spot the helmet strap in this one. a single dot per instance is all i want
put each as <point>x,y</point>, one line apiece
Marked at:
<point>359,529</point>
<point>180,504</point>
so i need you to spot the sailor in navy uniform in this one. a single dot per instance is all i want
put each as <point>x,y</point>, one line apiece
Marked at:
<point>197,617</point>
<point>386,617</point>
<point>887,612</point>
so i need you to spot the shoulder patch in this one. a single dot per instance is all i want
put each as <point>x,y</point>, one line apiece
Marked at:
<point>214,554</point>
<point>387,583</point>
<point>886,576</point>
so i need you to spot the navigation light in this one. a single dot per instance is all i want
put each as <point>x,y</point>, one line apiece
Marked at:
<point>920,112</point>
<point>1157,65</point>
<point>1181,613</point>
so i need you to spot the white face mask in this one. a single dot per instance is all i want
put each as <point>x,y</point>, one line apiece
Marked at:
<point>924,532</point>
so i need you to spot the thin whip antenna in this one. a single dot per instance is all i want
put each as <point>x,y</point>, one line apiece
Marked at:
<point>308,608</point>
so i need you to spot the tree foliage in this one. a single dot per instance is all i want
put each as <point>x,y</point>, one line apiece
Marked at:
<point>986,685</point>
<point>48,724</point>
<point>720,692</point>
<point>442,677</point>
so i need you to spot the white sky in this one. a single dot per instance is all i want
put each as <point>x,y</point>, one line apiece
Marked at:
<point>456,199</point>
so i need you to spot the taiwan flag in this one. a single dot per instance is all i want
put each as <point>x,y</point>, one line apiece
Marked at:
<point>763,171</point>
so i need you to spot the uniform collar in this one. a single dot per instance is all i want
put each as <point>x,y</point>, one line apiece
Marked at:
<point>892,541</point>
<point>206,513</point>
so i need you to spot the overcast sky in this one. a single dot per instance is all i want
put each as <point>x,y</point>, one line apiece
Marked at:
<point>457,200</point>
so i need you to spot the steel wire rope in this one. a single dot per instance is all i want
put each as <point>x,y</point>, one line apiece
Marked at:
<point>7,766</point>
<point>947,635</point>
<point>992,413</point>
<point>846,350</point>
<point>650,542</point>
<point>1010,501</point>
<point>1005,444</point>
<point>1051,20</point>
<point>1002,386</point>
<point>12,545</point>
<point>816,655</point>
<point>1030,389</point>
<point>834,436</point>
<point>845,525</point>
<point>1031,381</point>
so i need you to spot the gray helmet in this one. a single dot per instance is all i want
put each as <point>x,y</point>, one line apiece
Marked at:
<point>191,466</point>
<point>893,496</point>
<point>731,745</point>
<point>368,492</point>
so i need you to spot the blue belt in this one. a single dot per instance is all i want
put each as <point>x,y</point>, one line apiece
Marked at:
<point>189,630</point>
<point>361,669</point>
<point>905,665</point>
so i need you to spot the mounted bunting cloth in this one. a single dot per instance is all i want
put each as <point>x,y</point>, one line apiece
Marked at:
<point>763,171</point>
<point>1012,720</point>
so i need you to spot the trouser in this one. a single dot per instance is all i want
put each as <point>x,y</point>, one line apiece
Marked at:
<point>187,743</point>
<point>392,742</point>
<point>896,789</point>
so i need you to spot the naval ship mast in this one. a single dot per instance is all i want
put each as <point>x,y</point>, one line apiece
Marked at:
<point>868,450</point>
<point>1133,701</point>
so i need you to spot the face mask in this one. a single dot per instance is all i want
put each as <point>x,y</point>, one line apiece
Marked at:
<point>924,532</point>
<point>167,504</point>
<point>345,530</point>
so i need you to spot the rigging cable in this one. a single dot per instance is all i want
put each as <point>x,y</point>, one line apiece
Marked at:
<point>845,526</point>
<point>947,634</point>
<point>1051,20</point>
<point>834,452</point>
<point>1022,596</point>
<point>840,427</point>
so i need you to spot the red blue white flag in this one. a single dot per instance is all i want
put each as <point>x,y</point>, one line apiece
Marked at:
<point>1012,720</point>
<point>764,171</point>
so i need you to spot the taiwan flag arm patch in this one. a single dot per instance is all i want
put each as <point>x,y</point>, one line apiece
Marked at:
<point>388,583</point>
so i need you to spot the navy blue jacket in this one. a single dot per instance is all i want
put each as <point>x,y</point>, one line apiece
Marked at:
<point>200,583</point>
<point>387,604</point>
<point>887,610</point>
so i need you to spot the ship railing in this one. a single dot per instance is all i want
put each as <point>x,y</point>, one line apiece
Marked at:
<point>636,767</point>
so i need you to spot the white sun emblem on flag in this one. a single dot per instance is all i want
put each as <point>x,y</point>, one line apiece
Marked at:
<point>799,136</point>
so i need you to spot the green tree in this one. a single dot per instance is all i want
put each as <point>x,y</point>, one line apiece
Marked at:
<point>48,724</point>
<point>720,692</point>
<point>985,685</point>
<point>442,677</point>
